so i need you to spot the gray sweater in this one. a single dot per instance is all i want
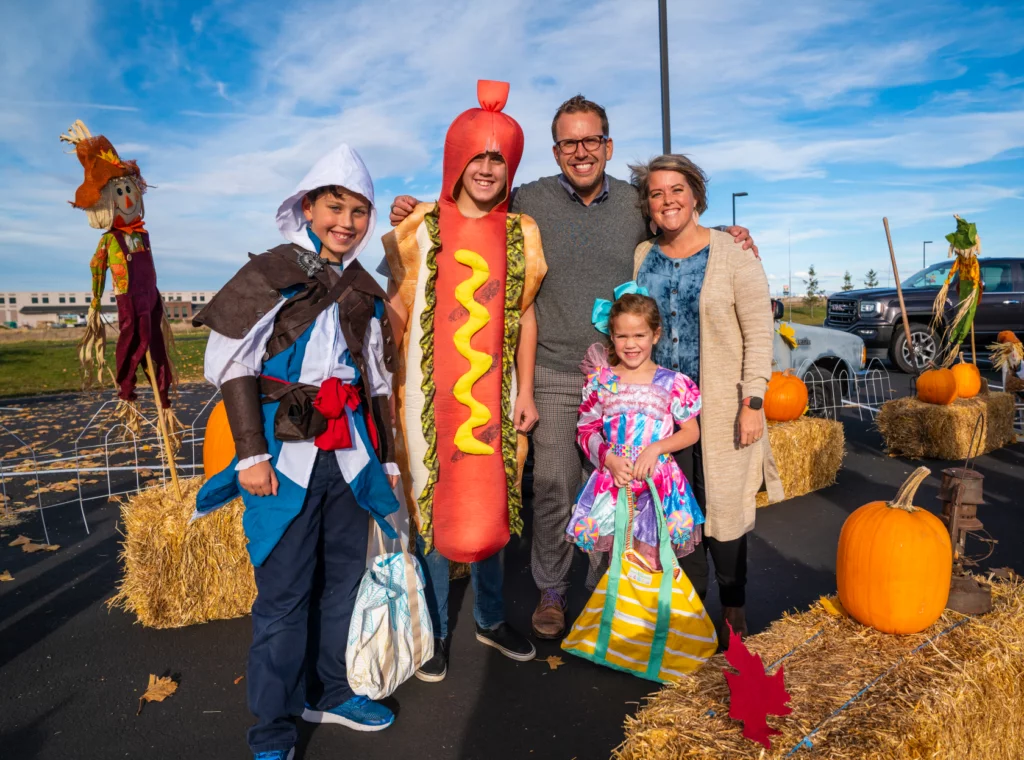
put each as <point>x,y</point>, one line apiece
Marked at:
<point>589,251</point>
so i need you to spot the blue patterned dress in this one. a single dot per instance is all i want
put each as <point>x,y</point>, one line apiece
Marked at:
<point>675,285</point>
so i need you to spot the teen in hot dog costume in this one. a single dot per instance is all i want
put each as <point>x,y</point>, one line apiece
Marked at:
<point>464,283</point>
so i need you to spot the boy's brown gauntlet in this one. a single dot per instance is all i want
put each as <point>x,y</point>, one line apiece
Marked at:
<point>242,403</point>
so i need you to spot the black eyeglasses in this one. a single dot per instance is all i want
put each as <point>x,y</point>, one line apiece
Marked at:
<point>590,144</point>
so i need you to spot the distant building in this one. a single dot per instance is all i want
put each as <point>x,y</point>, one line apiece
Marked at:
<point>43,308</point>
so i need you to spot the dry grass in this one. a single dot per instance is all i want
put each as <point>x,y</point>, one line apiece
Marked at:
<point>176,573</point>
<point>949,692</point>
<point>808,453</point>
<point>913,428</point>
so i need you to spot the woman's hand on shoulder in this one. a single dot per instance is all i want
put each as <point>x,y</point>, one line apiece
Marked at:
<point>749,426</point>
<point>742,237</point>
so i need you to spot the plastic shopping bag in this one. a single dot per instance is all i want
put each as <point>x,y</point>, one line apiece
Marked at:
<point>390,636</point>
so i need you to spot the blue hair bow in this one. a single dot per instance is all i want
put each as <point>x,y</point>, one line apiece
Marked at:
<point>603,307</point>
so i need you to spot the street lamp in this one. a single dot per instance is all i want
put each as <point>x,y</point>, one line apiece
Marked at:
<point>924,245</point>
<point>734,197</point>
<point>666,128</point>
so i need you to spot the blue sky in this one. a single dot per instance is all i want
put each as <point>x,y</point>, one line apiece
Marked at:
<point>830,115</point>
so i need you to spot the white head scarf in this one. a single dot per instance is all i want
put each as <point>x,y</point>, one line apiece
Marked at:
<point>342,166</point>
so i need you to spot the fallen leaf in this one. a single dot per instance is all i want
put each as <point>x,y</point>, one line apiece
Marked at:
<point>31,548</point>
<point>1006,573</point>
<point>554,662</point>
<point>51,547</point>
<point>833,606</point>
<point>20,540</point>
<point>239,680</point>
<point>754,695</point>
<point>6,576</point>
<point>158,690</point>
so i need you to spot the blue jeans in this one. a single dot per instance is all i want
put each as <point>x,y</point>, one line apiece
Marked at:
<point>306,591</point>
<point>488,601</point>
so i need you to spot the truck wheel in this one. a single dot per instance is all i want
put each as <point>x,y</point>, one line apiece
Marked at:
<point>824,391</point>
<point>924,340</point>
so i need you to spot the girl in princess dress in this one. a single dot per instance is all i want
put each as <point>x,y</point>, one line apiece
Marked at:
<point>634,415</point>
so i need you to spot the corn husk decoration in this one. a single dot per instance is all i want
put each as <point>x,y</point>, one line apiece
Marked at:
<point>1007,354</point>
<point>965,245</point>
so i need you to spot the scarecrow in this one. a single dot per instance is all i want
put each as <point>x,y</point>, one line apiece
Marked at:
<point>465,283</point>
<point>965,244</point>
<point>111,196</point>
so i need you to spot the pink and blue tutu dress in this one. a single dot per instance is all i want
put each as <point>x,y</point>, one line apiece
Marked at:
<point>623,418</point>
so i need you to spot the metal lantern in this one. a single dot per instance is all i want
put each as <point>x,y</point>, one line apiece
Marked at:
<point>961,491</point>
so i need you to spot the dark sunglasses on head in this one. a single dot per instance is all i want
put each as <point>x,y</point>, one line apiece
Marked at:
<point>590,144</point>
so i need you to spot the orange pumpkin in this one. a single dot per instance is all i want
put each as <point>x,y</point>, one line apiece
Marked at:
<point>937,386</point>
<point>218,445</point>
<point>895,563</point>
<point>786,398</point>
<point>968,379</point>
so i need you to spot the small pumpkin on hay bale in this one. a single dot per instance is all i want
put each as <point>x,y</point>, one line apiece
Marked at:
<point>178,573</point>
<point>913,428</point>
<point>953,690</point>
<point>808,453</point>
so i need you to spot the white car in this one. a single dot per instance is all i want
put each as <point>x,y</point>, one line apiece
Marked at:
<point>827,360</point>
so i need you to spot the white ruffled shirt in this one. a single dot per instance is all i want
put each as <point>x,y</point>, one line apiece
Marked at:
<point>230,358</point>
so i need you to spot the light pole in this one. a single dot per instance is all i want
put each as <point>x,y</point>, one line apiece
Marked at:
<point>924,245</point>
<point>666,129</point>
<point>734,197</point>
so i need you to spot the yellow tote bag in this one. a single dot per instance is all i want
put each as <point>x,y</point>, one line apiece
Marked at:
<point>650,624</point>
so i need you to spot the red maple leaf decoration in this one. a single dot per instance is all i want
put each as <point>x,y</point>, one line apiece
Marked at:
<point>754,695</point>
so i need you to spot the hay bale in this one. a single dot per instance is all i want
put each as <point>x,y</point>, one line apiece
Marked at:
<point>808,452</point>
<point>176,573</point>
<point>914,429</point>
<point>961,695</point>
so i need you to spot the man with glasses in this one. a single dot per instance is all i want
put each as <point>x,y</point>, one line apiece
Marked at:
<point>590,223</point>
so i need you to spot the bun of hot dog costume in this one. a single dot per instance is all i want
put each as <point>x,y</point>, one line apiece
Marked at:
<point>465,283</point>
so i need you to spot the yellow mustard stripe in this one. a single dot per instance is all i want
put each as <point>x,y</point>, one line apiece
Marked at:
<point>479,362</point>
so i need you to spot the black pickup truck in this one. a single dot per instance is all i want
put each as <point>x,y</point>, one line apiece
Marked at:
<point>874,314</point>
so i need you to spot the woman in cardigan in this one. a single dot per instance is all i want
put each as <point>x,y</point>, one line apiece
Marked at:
<point>718,330</point>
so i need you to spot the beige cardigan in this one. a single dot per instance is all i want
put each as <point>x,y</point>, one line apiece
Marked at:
<point>736,336</point>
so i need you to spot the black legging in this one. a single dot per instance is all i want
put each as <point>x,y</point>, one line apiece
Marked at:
<point>730,557</point>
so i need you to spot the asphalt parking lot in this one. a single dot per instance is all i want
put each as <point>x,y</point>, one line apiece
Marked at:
<point>72,672</point>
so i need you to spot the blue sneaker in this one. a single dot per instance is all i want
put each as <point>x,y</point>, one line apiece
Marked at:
<point>275,754</point>
<point>358,713</point>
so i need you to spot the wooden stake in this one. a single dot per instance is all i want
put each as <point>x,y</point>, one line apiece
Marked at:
<point>169,452</point>
<point>974,356</point>
<point>899,292</point>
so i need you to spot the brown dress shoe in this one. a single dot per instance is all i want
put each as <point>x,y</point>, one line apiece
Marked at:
<point>737,618</point>
<point>549,617</point>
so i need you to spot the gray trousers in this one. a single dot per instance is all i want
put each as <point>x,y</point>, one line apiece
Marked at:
<point>559,471</point>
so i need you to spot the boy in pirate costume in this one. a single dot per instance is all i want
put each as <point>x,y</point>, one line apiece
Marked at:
<point>302,351</point>
<point>463,275</point>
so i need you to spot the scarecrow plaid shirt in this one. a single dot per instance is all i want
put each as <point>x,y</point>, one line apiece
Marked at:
<point>109,255</point>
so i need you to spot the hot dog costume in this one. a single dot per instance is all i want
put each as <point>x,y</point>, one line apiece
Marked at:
<point>465,283</point>
<point>302,354</point>
<point>111,195</point>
